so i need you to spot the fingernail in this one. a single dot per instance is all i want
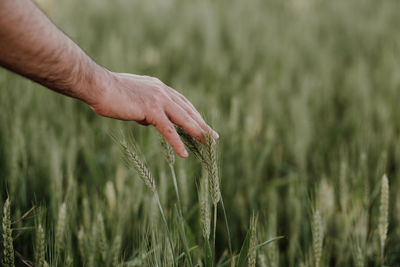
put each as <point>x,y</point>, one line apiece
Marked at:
<point>185,154</point>
<point>216,135</point>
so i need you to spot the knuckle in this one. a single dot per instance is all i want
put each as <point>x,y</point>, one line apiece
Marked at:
<point>153,104</point>
<point>156,99</point>
<point>160,93</point>
<point>152,120</point>
<point>168,130</point>
<point>157,92</point>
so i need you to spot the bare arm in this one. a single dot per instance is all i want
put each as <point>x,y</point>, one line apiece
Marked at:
<point>31,45</point>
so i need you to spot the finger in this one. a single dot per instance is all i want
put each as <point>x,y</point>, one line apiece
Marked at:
<point>167,129</point>
<point>180,117</point>
<point>197,117</point>
<point>191,110</point>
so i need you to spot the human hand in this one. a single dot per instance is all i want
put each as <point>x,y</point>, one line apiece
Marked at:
<point>147,100</point>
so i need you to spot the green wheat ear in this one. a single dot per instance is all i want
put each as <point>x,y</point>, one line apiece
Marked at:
<point>317,233</point>
<point>384,215</point>
<point>204,208</point>
<point>130,150</point>
<point>207,155</point>
<point>8,249</point>
<point>60,229</point>
<point>193,145</point>
<point>101,237</point>
<point>253,241</point>
<point>212,168</point>
<point>40,246</point>
<point>168,151</point>
<point>115,249</point>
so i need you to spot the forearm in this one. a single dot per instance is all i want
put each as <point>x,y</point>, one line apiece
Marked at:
<point>31,45</point>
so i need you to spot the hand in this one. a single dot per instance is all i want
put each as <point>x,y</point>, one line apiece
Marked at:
<point>147,100</point>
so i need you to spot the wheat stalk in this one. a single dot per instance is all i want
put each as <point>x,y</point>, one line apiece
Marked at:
<point>253,241</point>
<point>116,247</point>
<point>40,246</point>
<point>212,168</point>
<point>383,215</point>
<point>131,153</point>
<point>133,157</point>
<point>62,216</point>
<point>170,157</point>
<point>208,157</point>
<point>101,237</point>
<point>8,249</point>
<point>359,257</point>
<point>193,145</point>
<point>168,151</point>
<point>82,243</point>
<point>111,197</point>
<point>317,233</point>
<point>204,208</point>
<point>262,260</point>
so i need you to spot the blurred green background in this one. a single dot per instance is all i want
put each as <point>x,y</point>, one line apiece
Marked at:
<point>304,94</point>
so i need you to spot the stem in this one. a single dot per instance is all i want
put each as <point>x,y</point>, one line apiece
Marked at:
<point>180,212</point>
<point>215,227</point>
<point>227,227</point>
<point>165,224</point>
<point>176,188</point>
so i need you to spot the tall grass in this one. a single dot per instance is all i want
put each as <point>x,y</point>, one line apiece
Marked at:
<point>304,95</point>
<point>8,249</point>
<point>383,215</point>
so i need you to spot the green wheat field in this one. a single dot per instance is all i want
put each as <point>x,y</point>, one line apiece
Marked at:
<point>304,95</point>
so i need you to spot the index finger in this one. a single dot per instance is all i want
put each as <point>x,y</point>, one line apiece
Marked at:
<point>167,129</point>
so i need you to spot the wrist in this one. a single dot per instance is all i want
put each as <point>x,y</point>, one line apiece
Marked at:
<point>92,84</point>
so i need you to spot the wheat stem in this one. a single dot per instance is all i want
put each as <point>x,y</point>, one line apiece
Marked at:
<point>253,242</point>
<point>62,214</point>
<point>8,249</point>
<point>383,215</point>
<point>40,246</point>
<point>204,208</point>
<point>214,227</point>
<point>165,224</point>
<point>317,237</point>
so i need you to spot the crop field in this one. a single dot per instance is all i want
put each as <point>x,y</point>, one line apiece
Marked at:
<point>304,95</point>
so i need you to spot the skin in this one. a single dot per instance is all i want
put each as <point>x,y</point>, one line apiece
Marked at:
<point>32,46</point>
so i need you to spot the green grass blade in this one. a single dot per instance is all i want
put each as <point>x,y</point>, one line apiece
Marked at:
<point>182,235</point>
<point>269,241</point>
<point>183,253</point>
<point>208,255</point>
<point>244,250</point>
<point>166,225</point>
<point>227,227</point>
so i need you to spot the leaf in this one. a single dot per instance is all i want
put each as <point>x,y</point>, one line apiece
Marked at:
<point>182,235</point>
<point>183,253</point>
<point>269,241</point>
<point>227,227</point>
<point>208,261</point>
<point>244,250</point>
